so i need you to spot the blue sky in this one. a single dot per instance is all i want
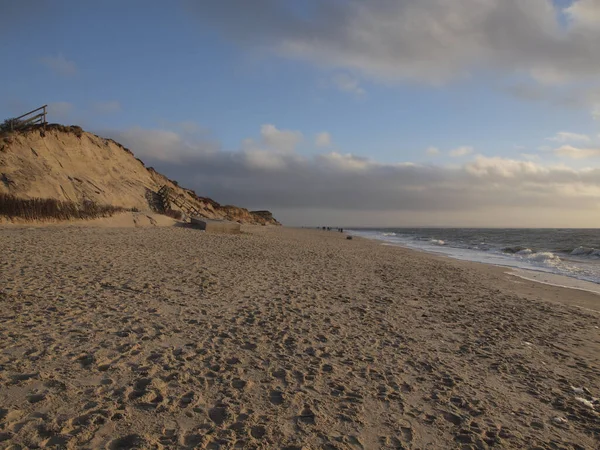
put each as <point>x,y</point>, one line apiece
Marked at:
<point>211,75</point>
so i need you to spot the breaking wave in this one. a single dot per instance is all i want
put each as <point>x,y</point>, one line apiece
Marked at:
<point>586,251</point>
<point>437,242</point>
<point>547,250</point>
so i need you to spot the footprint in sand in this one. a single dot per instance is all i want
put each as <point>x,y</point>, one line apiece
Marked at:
<point>103,367</point>
<point>276,397</point>
<point>280,374</point>
<point>16,378</point>
<point>35,398</point>
<point>307,416</point>
<point>186,400</point>
<point>169,437</point>
<point>218,414</point>
<point>328,368</point>
<point>56,442</point>
<point>139,388</point>
<point>453,418</point>
<point>85,360</point>
<point>239,383</point>
<point>258,432</point>
<point>407,433</point>
<point>127,442</point>
<point>192,440</point>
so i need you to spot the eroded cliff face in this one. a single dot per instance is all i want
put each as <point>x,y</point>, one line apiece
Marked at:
<point>69,164</point>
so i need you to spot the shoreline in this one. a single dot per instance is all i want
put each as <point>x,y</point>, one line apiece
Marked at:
<point>283,338</point>
<point>528,274</point>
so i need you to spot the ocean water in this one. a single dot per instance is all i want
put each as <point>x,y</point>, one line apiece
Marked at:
<point>573,253</point>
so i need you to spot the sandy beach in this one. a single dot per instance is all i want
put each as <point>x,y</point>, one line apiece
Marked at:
<point>166,337</point>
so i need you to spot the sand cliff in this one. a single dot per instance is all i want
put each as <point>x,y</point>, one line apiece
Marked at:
<point>69,164</point>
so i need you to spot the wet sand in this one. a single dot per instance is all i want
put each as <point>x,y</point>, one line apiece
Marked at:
<point>281,338</point>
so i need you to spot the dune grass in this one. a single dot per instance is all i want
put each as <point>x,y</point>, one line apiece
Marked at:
<point>52,209</point>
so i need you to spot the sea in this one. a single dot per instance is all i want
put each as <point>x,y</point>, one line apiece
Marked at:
<point>572,253</point>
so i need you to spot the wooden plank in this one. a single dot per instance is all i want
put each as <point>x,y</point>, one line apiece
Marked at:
<point>30,120</point>
<point>31,112</point>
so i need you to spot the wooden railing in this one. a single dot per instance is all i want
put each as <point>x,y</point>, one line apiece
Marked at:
<point>28,119</point>
<point>168,196</point>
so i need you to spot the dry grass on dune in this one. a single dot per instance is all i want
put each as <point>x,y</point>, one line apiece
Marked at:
<point>52,209</point>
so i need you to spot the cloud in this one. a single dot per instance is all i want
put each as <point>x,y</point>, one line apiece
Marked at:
<point>575,96</point>
<point>432,151</point>
<point>461,151</point>
<point>568,151</point>
<point>586,13</point>
<point>273,151</point>
<point>565,136</point>
<point>162,145</point>
<point>280,140</point>
<point>347,83</point>
<point>490,191</point>
<point>498,168</point>
<point>530,156</point>
<point>596,112</point>
<point>323,139</point>
<point>345,163</point>
<point>108,107</point>
<point>60,65</point>
<point>431,41</point>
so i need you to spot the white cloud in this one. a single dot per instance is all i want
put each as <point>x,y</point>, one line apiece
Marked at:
<point>108,107</point>
<point>60,65</point>
<point>585,13</point>
<point>504,168</point>
<point>565,136</point>
<point>265,159</point>
<point>163,145</point>
<point>280,140</point>
<point>275,149</point>
<point>348,83</point>
<point>345,163</point>
<point>430,41</point>
<point>596,112</point>
<point>432,151</point>
<point>575,96</point>
<point>568,151</point>
<point>461,151</point>
<point>323,139</point>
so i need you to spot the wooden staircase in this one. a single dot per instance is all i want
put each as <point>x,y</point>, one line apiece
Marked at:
<point>168,196</point>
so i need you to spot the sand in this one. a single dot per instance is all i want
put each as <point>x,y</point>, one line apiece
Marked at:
<point>280,338</point>
<point>69,164</point>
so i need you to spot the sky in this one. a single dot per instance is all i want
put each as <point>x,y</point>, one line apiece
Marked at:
<point>332,112</point>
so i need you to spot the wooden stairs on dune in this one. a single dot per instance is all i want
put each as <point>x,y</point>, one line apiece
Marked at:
<point>168,196</point>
